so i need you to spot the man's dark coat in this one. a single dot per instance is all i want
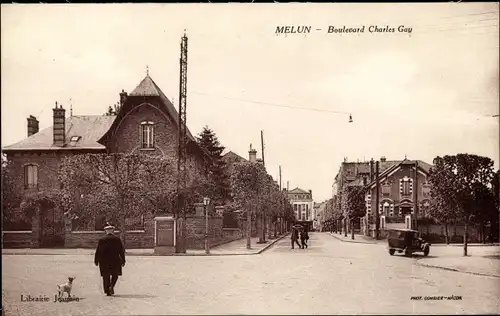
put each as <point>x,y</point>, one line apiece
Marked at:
<point>110,255</point>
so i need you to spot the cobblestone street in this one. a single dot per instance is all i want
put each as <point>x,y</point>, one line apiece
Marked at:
<point>330,277</point>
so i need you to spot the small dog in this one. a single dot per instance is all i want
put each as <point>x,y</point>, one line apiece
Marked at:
<point>66,287</point>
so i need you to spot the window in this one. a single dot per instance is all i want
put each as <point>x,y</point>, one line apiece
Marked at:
<point>147,135</point>
<point>307,213</point>
<point>386,208</point>
<point>405,186</point>
<point>74,140</point>
<point>30,176</point>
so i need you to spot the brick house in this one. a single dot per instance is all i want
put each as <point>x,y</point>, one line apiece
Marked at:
<point>397,189</point>
<point>147,124</point>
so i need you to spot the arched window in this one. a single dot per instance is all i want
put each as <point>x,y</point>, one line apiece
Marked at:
<point>147,135</point>
<point>30,176</point>
<point>386,209</point>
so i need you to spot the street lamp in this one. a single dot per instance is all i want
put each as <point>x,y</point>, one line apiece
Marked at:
<point>206,202</point>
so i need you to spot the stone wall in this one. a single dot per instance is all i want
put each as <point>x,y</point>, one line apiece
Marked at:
<point>232,233</point>
<point>436,233</point>
<point>17,239</point>
<point>195,227</point>
<point>89,239</point>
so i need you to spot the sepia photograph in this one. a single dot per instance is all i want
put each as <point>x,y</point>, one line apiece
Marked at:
<point>250,159</point>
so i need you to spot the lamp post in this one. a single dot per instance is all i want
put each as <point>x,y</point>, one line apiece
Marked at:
<point>206,202</point>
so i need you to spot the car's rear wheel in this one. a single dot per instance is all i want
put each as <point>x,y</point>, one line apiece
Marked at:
<point>407,253</point>
<point>426,251</point>
<point>392,251</point>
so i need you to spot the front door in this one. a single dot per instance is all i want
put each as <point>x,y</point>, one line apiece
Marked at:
<point>52,228</point>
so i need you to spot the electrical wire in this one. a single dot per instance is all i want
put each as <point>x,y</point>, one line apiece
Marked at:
<point>272,104</point>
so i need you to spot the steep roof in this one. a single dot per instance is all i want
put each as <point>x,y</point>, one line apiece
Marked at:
<point>148,88</point>
<point>297,191</point>
<point>89,127</point>
<point>421,165</point>
<point>231,156</point>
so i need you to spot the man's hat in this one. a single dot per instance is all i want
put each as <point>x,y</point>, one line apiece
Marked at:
<point>109,226</point>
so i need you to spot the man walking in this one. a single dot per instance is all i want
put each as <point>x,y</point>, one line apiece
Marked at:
<point>295,237</point>
<point>110,256</point>
<point>304,237</point>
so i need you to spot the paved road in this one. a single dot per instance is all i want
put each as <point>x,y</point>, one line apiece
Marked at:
<point>331,277</point>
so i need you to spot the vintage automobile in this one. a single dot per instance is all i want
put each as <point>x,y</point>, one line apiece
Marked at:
<point>407,241</point>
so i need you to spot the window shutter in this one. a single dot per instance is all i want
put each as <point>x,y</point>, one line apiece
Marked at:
<point>152,136</point>
<point>391,210</point>
<point>410,184</point>
<point>401,186</point>
<point>26,176</point>
<point>35,175</point>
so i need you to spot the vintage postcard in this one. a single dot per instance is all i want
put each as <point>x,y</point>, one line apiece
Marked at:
<point>257,159</point>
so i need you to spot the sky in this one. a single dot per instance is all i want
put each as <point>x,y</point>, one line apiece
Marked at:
<point>428,93</point>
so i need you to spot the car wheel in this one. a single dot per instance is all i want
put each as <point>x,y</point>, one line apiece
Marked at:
<point>392,251</point>
<point>407,253</point>
<point>426,251</point>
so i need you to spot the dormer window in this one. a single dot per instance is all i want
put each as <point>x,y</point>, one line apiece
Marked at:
<point>147,135</point>
<point>74,140</point>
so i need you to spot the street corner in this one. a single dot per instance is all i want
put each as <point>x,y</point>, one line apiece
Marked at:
<point>482,266</point>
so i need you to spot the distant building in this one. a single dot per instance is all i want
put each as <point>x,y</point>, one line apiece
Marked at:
<point>303,206</point>
<point>397,194</point>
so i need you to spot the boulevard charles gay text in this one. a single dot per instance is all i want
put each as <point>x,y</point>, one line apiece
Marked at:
<point>306,29</point>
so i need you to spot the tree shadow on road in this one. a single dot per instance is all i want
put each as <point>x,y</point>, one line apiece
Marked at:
<point>134,296</point>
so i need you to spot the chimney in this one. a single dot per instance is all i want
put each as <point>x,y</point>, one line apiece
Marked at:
<point>32,125</point>
<point>311,193</point>
<point>59,128</point>
<point>382,159</point>
<point>372,172</point>
<point>123,97</point>
<point>252,154</point>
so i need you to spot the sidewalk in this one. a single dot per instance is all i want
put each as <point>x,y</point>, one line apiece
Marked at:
<point>358,239</point>
<point>486,266</point>
<point>237,247</point>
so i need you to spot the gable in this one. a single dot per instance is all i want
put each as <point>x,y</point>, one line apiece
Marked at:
<point>298,191</point>
<point>147,92</point>
<point>423,168</point>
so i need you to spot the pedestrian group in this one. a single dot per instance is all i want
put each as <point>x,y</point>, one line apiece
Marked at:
<point>299,232</point>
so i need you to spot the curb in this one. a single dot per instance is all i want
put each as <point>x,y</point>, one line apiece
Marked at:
<point>356,241</point>
<point>272,243</point>
<point>456,270</point>
<point>468,245</point>
<point>152,254</point>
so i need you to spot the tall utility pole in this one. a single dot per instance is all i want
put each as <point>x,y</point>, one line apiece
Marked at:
<point>280,178</point>
<point>182,149</point>
<point>262,144</point>
<point>377,201</point>
<point>415,194</point>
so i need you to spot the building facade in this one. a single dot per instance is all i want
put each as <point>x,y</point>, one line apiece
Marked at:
<point>303,206</point>
<point>403,190</point>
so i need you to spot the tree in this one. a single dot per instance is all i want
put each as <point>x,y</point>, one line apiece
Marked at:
<point>218,182</point>
<point>354,204</point>
<point>113,110</point>
<point>459,183</point>
<point>444,213</point>
<point>10,196</point>
<point>103,184</point>
<point>247,182</point>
